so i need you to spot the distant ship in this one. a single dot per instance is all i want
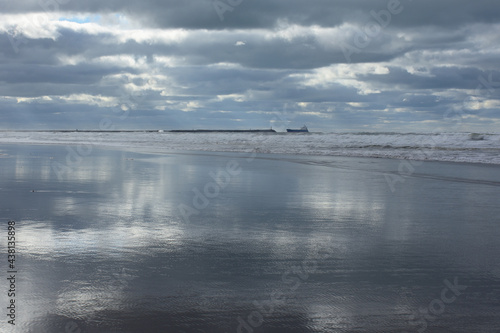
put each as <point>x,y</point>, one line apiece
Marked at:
<point>303,129</point>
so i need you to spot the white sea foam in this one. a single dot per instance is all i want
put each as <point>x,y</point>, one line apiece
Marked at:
<point>453,147</point>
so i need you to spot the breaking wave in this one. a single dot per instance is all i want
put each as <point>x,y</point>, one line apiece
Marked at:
<point>452,147</point>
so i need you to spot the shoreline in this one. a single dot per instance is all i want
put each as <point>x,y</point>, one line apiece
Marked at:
<point>253,154</point>
<point>164,150</point>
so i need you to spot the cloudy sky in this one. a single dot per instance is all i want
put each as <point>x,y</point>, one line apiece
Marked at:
<point>335,65</point>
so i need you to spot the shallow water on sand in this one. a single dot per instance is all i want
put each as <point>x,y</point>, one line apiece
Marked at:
<point>119,241</point>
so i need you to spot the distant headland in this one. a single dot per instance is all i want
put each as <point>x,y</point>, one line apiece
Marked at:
<point>150,131</point>
<point>225,131</point>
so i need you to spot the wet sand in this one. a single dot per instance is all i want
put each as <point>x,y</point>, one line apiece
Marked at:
<point>121,241</point>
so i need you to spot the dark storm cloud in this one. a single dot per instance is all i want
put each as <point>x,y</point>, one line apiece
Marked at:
<point>86,75</point>
<point>201,14</point>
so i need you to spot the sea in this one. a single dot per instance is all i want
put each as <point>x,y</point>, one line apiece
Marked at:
<point>240,232</point>
<point>446,146</point>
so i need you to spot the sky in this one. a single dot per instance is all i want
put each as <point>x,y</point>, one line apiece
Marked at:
<point>334,65</point>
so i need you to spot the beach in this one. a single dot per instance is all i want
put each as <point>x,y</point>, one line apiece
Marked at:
<point>141,239</point>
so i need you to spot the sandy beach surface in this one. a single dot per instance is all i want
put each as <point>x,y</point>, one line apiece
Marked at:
<point>112,240</point>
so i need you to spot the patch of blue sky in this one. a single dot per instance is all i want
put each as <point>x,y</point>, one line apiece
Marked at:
<point>82,18</point>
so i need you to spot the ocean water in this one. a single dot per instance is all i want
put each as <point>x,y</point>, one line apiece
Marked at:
<point>114,240</point>
<point>451,147</point>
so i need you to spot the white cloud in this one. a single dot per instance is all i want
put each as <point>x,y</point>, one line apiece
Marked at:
<point>102,101</point>
<point>81,55</point>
